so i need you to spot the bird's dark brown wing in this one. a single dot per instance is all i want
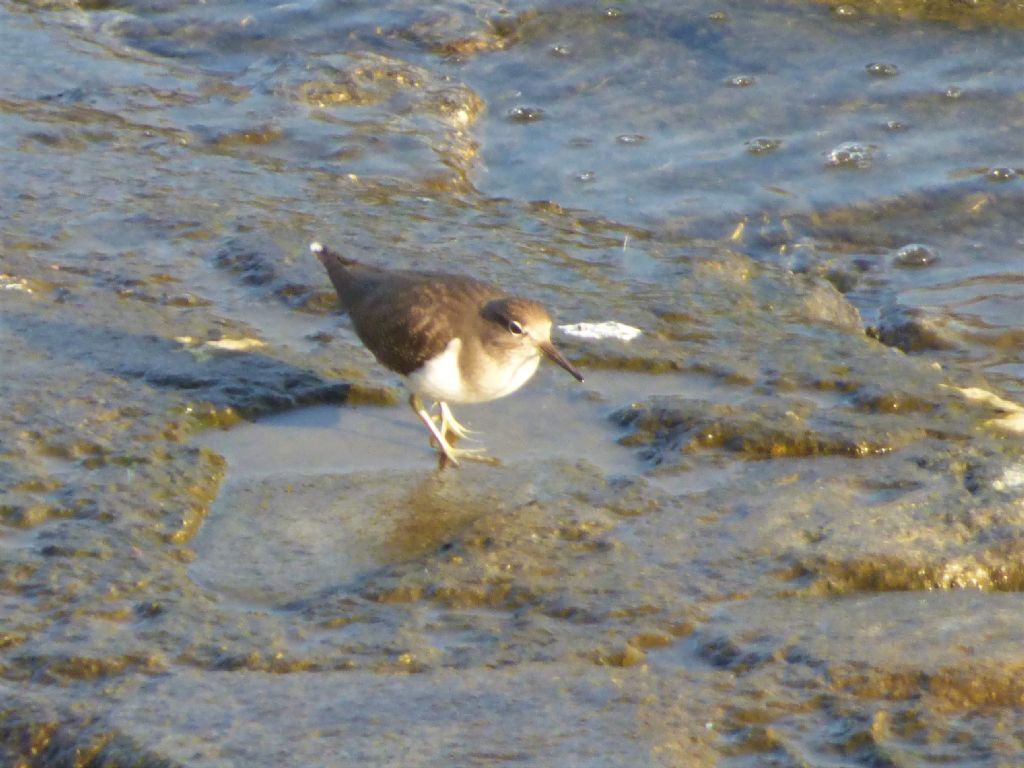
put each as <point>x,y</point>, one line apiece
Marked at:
<point>408,318</point>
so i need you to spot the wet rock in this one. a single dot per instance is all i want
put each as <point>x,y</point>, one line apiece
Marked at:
<point>725,653</point>
<point>823,302</point>
<point>913,330</point>
<point>944,671</point>
<point>997,14</point>
<point>493,589</point>
<point>667,427</point>
<point>29,515</point>
<point>458,35</point>
<point>37,730</point>
<point>250,262</point>
<point>627,656</point>
<point>247,137</point>
<point>876,398</point>
<point>413,714</point>
<point>654,639</point>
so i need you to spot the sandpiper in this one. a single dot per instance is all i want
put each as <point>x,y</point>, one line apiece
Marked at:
<point>451,338</point>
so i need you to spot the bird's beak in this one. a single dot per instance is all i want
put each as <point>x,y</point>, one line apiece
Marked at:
<point>552,352</point>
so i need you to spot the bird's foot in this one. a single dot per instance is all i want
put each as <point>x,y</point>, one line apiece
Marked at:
<point>447,452</point>
<point>448,424</point>
<point>452,455</point>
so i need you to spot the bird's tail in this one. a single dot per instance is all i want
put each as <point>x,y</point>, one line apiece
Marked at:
<point>344,272</point>
<point>328,257</point>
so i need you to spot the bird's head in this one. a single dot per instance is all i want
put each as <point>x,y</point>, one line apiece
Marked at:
<point>524,326</point>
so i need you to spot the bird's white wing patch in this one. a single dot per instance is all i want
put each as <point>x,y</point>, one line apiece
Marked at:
<point>440,378</point>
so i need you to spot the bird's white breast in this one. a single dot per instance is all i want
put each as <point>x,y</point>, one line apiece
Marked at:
<point>440,378</point>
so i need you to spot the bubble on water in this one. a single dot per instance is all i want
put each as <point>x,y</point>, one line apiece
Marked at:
<point>845,11</point>
<point>915,255</point>
<point>895,126</point>
<point>740,81</point>
<point>525,114</point>
<point>878,69</point>
<point>1001,174</point>
<point>953,92</point>
<point>560,50</point>
<point>613,13</point>
<point>762,146</point>
<point>585,177</point>
<point>850,154</point>
<point>631,138</point>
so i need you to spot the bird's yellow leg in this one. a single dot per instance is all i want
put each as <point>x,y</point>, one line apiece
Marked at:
<point>447,451</point>
<point>449,424</point>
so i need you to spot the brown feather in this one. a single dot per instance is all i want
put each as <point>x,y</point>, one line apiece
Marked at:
<point>405,318</point>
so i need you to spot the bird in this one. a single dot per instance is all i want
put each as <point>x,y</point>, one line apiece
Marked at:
<point>450,337</point>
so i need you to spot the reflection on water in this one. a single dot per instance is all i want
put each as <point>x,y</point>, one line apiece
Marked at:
<point>757,535</point>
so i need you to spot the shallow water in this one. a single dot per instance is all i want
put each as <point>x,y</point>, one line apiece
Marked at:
<point>775,529</point>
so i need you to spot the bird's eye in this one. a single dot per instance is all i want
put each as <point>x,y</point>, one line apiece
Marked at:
<point>515,327</point>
